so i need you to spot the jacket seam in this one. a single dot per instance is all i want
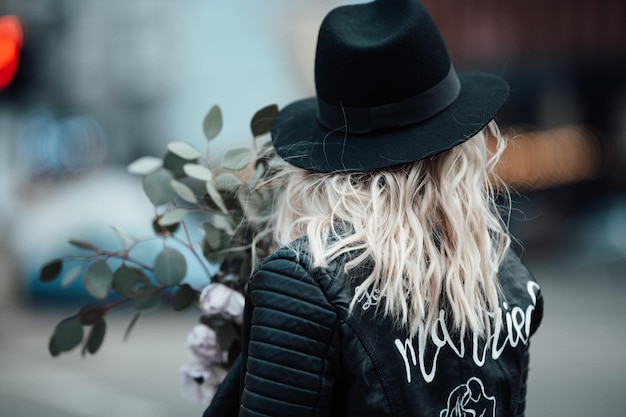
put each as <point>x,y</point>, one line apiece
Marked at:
<point>381,377</point>
<point>333,332</point>
<point>333,280</point>
<point>324,366</point>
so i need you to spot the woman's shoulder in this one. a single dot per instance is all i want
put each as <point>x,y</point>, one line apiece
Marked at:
<point>513,273</point>
<point>293,265</point>
<point>293,260</point>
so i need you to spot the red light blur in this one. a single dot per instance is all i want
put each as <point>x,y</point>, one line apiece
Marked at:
<point>11,38</point>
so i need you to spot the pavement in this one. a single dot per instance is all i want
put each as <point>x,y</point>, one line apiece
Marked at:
<point>136,378</point>
<point>578,365</point>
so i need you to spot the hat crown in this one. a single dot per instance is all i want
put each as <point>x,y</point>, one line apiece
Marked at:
<point>378,53</point>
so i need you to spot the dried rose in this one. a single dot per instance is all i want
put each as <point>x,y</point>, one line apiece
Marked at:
<point>199,381</point>
<point>202,341</point>
<point>220,299</point>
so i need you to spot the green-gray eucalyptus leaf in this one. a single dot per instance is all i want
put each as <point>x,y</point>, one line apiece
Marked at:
<point>98,277</point>
<point>51,270</point>
<point>183,297</point>
<point>70,276</point>
<point>199,172</point>
<point>148,298</point>
<point>184,150</point>
<point>145,165</point>
<point>258,174</point>
<point>184,192</point>
<point>158,188</point>
<point>52,347</point>
<point>237,159</point>
<point>170,267</point>
<point>173,216</point>
<point>68,334</point>
<point>216,197</point>
<point>222,222</point>
<point>96,336</point>
<point>175,164</point>
<point>227,182</point>
<point>212,123</point>
<point>261,122</point>
<point>131,325</point>
<point>124,280</point>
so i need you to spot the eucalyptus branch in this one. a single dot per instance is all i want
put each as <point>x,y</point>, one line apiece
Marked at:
<point>236,196</point>
<point>126,258</point>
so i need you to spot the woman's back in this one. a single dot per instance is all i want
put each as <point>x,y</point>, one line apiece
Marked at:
<point>307,352</point>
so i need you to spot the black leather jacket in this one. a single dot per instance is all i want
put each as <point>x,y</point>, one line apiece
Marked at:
<point>304,354</point>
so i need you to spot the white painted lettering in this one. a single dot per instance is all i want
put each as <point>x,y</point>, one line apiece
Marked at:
<point>511,326</point>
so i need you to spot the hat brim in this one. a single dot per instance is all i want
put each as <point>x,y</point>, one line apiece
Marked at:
<point>302,141</point>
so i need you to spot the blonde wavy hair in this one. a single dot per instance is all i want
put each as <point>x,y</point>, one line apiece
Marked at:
<point>431,230</point>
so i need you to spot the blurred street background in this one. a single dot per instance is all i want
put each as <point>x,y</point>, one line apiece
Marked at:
<point>87,86</point>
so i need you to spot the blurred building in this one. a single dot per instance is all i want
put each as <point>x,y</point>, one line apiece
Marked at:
<point>99,84</point>
<point>103,59</point>
<point>565,59</point>
<point>565,62</point>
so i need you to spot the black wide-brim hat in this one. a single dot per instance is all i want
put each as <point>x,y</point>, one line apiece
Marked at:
<point>387,93</point>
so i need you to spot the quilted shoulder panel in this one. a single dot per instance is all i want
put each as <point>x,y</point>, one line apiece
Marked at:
<point>291,331</point>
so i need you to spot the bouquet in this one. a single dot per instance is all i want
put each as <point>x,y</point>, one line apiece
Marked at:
<point>230,204</point>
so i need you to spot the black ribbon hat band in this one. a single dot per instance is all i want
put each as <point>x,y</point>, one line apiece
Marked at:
<point>413,110</point>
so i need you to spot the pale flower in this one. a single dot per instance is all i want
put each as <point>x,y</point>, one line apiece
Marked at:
<point>199,382</point>
<point>219,299</point>
<point>202,341</point>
